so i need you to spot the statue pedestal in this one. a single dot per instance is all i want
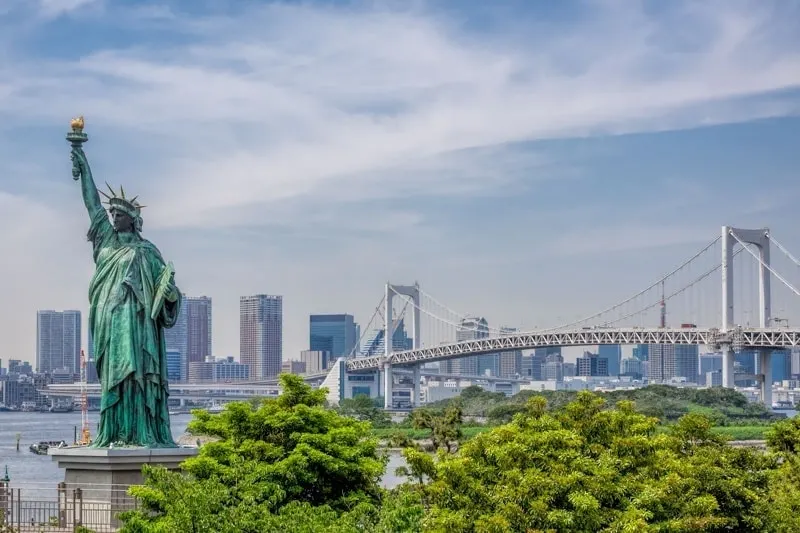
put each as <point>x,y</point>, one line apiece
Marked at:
<point>96,480</point>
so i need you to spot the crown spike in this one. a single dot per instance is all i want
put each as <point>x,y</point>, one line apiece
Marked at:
<point>112,190</point>
<point>101,191</point>
<point>122,192</point>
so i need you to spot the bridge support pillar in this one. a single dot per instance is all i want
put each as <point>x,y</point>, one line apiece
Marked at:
<point>417,385</point>
<point>727,366</point>
<point>765,369</point>
<point>388,381</point>
<point>759,238</point>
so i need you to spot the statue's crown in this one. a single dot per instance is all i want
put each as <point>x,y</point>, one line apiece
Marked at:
<point>118,201</point>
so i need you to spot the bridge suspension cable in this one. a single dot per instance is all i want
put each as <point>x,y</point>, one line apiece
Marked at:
<point>630,299</point>
<point>364,331</point>
<point>444,320</point>
<point>762,263</point>
<point>460,316</point>
<point>674,293</point>
<point>783,249</point>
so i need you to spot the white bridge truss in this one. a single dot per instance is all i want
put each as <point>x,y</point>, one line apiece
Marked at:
<point>737,339</point>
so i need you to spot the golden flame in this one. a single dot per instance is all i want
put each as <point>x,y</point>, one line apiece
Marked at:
<point>77,124</point>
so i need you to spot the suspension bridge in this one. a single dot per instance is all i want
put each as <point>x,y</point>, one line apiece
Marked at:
<point>734,267</point>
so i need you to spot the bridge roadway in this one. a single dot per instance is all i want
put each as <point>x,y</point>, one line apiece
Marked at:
<point>240,389</point>
<point>184,391</point>
<point>737,338</point>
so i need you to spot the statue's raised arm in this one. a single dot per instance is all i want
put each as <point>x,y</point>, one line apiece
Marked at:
<point>81,170</point>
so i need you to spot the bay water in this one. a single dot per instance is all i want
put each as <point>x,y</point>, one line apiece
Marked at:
<point>27,468</point>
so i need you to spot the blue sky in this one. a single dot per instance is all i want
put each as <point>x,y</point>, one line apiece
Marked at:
<point>527,161</point>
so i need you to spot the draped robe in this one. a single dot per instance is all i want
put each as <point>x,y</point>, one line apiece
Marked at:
<point>127,321</point>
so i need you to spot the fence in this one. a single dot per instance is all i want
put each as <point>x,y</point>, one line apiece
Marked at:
<point>67,509</point>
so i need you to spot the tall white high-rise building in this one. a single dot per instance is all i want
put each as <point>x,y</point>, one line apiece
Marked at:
<point>58,341</point>
<point>261,334</point>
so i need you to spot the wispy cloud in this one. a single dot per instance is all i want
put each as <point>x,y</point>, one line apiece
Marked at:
<point>609,239</point>
<point>305,142</point>
<point>55,8</point>
<point>287,99</point>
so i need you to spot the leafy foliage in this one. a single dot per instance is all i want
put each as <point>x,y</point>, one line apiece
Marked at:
<point>589,468</point>
<point>723,406</point>
<point>783,504</point>
<point>290,465</point>
<point>366,409</point>
<point>445,426</point>
<point>288,462</point>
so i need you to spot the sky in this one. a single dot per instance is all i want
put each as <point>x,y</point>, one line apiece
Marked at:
<point>526,161</point>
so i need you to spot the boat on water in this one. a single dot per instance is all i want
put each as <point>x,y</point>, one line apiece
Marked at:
<point>40,448</point>
<point>783,405</point>
<point>6,409</point>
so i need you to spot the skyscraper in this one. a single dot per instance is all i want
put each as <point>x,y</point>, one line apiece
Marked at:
<point>470,328</point>
<point>58,341</point>
<point>261,334</point>
<point>641,351</point>
<point>337,334</point>
<point>781,363</point>
<point>510,362</point>
<point>612,352</point>
<point>191,334</point>
<point>660,362</point>
<point>198,330</point>
<point>687,362</point>
<point>375,344</point>
<point>667,361</point>
<point>590,364</point>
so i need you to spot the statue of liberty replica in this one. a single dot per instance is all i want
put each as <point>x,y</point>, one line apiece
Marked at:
<point>133,298</point>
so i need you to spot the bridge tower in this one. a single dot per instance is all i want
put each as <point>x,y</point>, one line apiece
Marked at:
<point>759,238</point>
<point>411,291</point>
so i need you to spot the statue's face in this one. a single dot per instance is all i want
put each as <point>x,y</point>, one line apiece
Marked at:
<point>121,221</point>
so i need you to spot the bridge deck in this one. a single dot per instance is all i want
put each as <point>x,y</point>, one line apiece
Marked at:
<point>739,338</point>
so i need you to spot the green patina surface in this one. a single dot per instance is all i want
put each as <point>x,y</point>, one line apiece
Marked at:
<point>133,298</point>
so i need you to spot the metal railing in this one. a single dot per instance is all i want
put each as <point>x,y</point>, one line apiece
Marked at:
<point>67,509</point>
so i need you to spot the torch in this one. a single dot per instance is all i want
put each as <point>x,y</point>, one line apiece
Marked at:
<point>76,138</point>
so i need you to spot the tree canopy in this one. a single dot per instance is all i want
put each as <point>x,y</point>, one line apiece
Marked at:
<point>291,465</point>
<point>585,468</point>
<point>277,465</point>
<point>366,409</point>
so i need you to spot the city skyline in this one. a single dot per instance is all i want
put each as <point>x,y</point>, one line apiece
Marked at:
<point>528,165</point>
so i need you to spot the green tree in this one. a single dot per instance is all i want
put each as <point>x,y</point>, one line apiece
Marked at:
<point>364,408</point>
<point>445,426</point>
<point>783,504</point>
<point>288,464</point>
<point>591,468</point>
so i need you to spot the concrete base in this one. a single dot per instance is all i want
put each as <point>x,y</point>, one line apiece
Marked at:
<point>103,475</point>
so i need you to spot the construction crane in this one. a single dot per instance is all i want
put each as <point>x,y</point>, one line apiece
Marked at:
<point>86,437</point>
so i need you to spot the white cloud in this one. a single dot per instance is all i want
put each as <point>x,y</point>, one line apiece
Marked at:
<point>287,99</point>
<point>55,8</point>
<point>40,267</point>
<point>609,239</point>
<point>321,127</point>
